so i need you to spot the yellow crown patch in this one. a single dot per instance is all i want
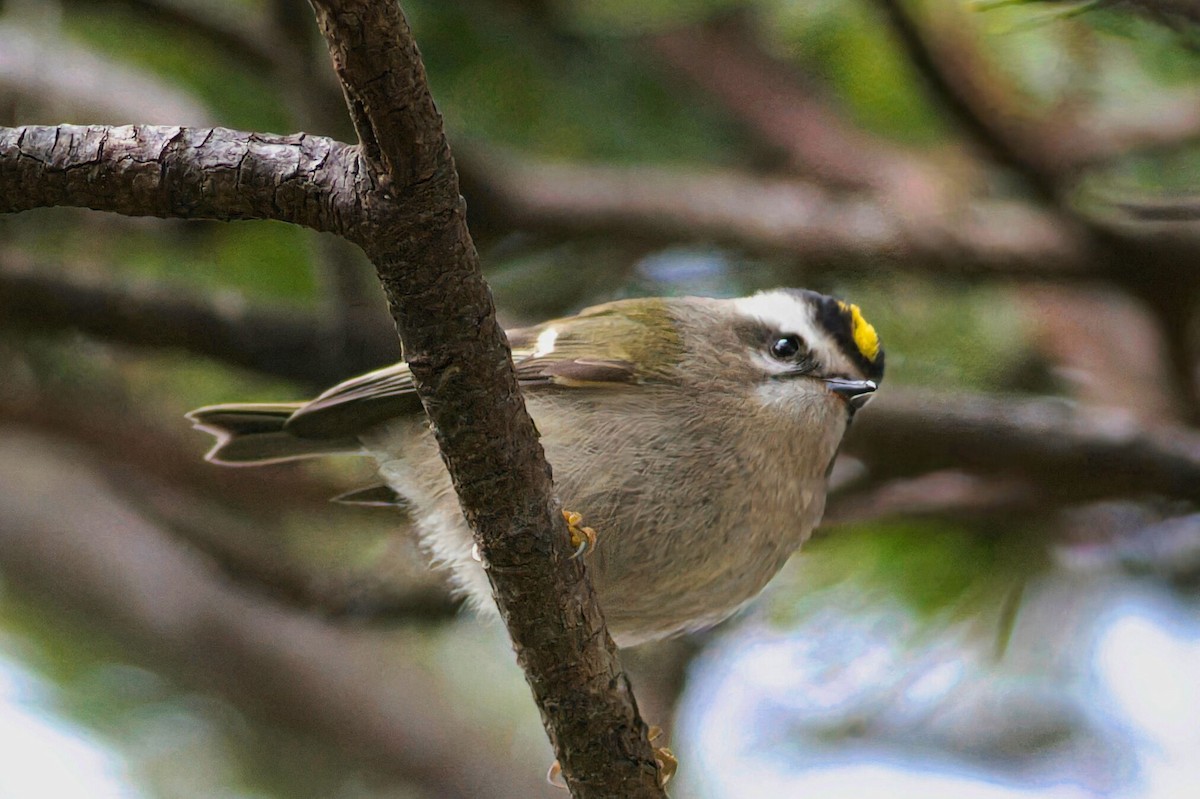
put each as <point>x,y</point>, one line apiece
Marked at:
<point>865,337</point>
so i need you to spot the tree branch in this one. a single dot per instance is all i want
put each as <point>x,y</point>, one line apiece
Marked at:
<point>249,553</point>
<point>781,107</point>
<point>401,204</point>
<point>776,216</point>
<point>311,181</point>
<point>137,443</point>
<point>1179,15</point>
<point>1165,120</point>
<point>928,431</point>
<point>232,517</point>
<point>969,89</point>
<point>939,494</point>
<point>1063,453</point>
<point>414,229</point>
<point>185,173</point>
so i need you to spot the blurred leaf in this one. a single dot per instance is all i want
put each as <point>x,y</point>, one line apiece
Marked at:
<point>498,77</point>
<point>939,571</point>
<point>239,98</point>
<point>940,335</point>
<point>843,43</point>
<point>638,16</point>
<point>268,260</point>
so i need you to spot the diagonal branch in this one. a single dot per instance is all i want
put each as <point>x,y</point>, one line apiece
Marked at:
<point>1179,15</point>
<point>785,111</point>
<point>414,230</point>
<point>781,107</point>
<point>969,89</point>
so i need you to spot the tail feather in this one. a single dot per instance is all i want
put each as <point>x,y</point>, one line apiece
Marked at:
<point>255,434</point>
<point>376,496</point>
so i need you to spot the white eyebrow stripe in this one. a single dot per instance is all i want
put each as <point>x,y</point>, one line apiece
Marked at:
<point>783,312</point>
<point>789,313</point>
<point>545,342</point>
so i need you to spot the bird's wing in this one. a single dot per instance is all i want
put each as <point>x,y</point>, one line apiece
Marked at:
<point>357,404</point>
<point>558,354</point>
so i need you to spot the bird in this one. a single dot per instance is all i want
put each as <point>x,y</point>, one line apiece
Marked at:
<point>694,435</point>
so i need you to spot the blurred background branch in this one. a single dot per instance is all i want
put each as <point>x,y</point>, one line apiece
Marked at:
<point>95,556</point>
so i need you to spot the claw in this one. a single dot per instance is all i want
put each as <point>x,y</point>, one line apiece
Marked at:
<point>582,538</point>
<point>554,776</point>
<point>668,764</point>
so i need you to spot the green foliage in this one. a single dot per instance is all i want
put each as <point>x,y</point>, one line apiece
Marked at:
<point>1167,52</point>
<point>499,77</point>
<point>237,97</point>
<point>847,45</point>
<point>264,260</point>
<point>941,572</point>
<point>943,335</point>
<point>604,17</point>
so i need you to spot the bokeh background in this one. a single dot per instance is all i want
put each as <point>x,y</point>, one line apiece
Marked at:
<point>1003,600</point>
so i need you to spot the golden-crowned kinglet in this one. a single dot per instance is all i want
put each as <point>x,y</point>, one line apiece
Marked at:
<point>695,435</point>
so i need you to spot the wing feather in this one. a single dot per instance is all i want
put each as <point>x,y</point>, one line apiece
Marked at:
<point>357,404</point>
<point>363,402</point>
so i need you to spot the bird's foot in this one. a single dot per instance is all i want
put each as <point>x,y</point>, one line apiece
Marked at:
<point>583,539</point>
<point>668,764</point>
<point>554,776</point>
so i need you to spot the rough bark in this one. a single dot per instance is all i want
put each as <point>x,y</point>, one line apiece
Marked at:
<point>414,230</point>
<point>184,173</point>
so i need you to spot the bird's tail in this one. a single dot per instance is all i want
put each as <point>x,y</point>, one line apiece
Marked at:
<point>255,434</point>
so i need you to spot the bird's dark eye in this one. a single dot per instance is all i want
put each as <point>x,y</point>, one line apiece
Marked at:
<point>785,347</point>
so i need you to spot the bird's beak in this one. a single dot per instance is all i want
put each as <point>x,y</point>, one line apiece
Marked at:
<point>854,392</point>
